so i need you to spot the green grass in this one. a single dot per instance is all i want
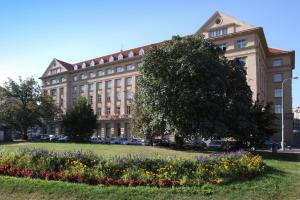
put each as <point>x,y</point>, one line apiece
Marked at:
<point>281,182</point>
<point>101,149</point>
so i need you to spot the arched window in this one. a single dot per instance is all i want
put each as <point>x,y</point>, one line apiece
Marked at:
<point>75,67</point>
<point>111,59</point>
<point>131,54</point>
<point>120,56</point>
<point>92,63</point>
<point>141,52</point>
<point>83,65</point>
<point>101,61</point>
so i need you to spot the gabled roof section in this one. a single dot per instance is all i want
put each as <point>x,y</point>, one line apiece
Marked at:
<point>224,20</point>
<point>55,63</point>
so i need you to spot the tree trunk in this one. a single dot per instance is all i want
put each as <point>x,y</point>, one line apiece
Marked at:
<point>24,135</point>
<point>179,140</point>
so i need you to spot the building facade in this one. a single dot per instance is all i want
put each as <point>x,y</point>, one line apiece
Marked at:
<point>109,82</point>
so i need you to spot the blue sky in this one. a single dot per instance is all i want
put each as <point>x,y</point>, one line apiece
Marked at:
<point>33,32</point>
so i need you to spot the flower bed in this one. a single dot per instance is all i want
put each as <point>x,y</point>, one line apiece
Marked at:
<point>132,170</point>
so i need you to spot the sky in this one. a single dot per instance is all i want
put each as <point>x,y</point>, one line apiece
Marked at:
<point>33,32</point>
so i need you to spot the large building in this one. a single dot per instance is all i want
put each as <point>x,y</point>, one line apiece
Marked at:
<point>109,82</point>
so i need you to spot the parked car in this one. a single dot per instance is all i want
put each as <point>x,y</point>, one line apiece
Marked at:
<point>96,140</point>
<point>53,138</point>
<point>124,141</point>
<point>216,144</point>
<point>135,141</point>
<point>63,138</point>
<point>44,137</point>
<point>195,144</point>
<point>115,141</point>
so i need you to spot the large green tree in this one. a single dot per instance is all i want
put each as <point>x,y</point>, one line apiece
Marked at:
<point>23,105</point>
<point>79,122</point>
<point>187,87</point>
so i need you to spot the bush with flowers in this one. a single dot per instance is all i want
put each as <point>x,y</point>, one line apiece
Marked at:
<point>131,170</point>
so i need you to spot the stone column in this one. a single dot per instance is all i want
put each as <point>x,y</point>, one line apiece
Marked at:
<point>95,106</point>
<point>103,101</point>
<point>112,98</point>
<point>122,129</point>
<point>123,96</point>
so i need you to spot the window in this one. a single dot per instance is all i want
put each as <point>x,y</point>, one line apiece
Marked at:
<point>277,77</point>
<point>63,79</point>
<point>83,65</point>
<point>99,98</point>
<point>240,44</point>
<point>99,111</point>
<point>90,87</point>
<point>54,81</point>
<point>242,61</point>
<point>100,73</point>
<point>120,56</point>
<point>129,67</point>
<point>277,63</point>
<point>131,54</point>
<point>118,82</point>
<point>111,59</point>
<point>223,46</point>
<point>108,110</point>
<point>61,91</point>
<point>75,67</point>
<point>129,81</point>
<point>108,95</point>
<point>118,95</point>
<point>140,64</point>
<point>74,90</point>
<point>91,100</point>
<point>83,76</point>
<point>92,74</point>
<point>54,71</point>
<point>218,32</point>
<point>277,109</point>
<point>81,88</point>
<point>53,92</point>
<point>119,69</point>
<point>99,85</point>
<point>128,110</point>
<point>129,95</point>
<point>278,93</point>
<point>141,52</point>
<point>75,78</point>
<point>101,61</point>
<point>108,84</point>
<point>118,110</point>
<point>109,71</point>
<point>92,63</point>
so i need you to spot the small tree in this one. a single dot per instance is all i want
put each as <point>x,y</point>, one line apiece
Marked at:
<point>79,122</point>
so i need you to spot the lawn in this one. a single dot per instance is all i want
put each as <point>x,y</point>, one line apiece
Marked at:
<point>281,182</point>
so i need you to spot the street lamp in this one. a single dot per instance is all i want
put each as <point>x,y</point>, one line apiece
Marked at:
<point>282,112</point>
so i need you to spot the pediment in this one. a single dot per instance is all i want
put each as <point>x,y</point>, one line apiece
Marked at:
<point>54,66</point>
<point>221,20</point>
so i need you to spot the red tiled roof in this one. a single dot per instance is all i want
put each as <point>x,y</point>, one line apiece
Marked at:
<point>277,51</point>
<point>115,55</point>
<point>68,66</point>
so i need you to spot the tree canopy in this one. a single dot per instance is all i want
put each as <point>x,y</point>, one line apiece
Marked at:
<point>79,122</point>
<point>190,89</point>
<point>23,105</point>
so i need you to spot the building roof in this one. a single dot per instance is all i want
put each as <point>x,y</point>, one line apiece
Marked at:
<point>277,51</point>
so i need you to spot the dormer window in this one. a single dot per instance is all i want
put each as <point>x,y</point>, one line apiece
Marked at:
<point>101,61</point>
<point>131,54</point>
<point>83,65</point>
<point>141,52</point>
<point>76,67</point>
<point>111,59</point>
<point>92,63</point>
<point>120,56</point>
